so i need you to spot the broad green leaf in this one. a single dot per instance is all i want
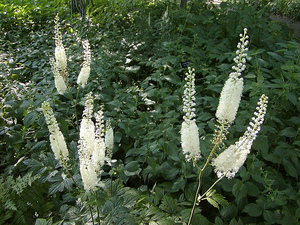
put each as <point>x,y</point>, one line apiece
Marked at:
<point>253,210</point>
<point>272,217</point>
<point>276,56</point>
<point>291,97</point>
<point>290,169</point>
<point>239,190</point>
<point>288,132</point>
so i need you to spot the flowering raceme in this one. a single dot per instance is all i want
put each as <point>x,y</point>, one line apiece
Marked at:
<point>57,140</point>
<point>189,129</point>
<point>229,162</point>
<point>59,64</point>
<point>86,67</point>
<point>91,148</point>
<point>232,91</point>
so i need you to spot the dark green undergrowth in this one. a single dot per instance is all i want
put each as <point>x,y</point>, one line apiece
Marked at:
<point>137,48</point>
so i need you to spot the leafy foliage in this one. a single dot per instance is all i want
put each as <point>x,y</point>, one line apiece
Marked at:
<point>137,47</point>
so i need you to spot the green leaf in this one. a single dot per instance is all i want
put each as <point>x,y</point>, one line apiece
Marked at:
<point>272,217</point>
<point>252,189</point>
<point>253,210</point>
<point>290,169</point>
<point>291,97</point>
<point>179,184</point>
<point>30,118</point>
<point>43,222</point>
<point>132,168</point>
<point>276,56</point>
<point>288,132</point>
<point>169,205</point>
<point>239,190</point>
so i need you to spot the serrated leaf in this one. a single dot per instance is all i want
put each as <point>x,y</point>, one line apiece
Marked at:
<point>213,202</point>
<point>169,205</point>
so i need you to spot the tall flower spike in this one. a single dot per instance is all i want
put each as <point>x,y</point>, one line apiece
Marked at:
<point>232,91</point>
<point>86,67</point>
<point>57,140</point>
<point>189,129</point>
<point>60,53</point>
<point>229,162</point>
<point>91,145</point>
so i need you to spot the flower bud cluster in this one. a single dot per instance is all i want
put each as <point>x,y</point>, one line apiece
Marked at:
<point>57,140</point>
<point>86,66</point>
<point>241,55</point>
<point>189,129</point>
<point>229,162</point>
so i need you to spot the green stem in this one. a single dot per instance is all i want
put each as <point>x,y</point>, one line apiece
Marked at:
<point>212,152</point>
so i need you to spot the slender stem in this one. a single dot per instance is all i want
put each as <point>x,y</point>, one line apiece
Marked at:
<point>213,185</point>
<point>196,197</point>
<point>212,152</point>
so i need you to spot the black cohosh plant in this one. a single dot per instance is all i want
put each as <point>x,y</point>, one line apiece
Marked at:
<point>228,162</point>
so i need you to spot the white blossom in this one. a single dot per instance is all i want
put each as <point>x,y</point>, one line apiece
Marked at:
<point>232,90</point>
<point>91,145</point>
<point>60,53</point>
<point>99,146</point>
<point>86,66</point>
<point>60,84</point>
<point>61,59</point>
<point>229,162</point>
<point>57,141</point>
<point>230,99</point>
<point>189,131</point>
<point>190,140</point>
<point>83,76</point>
<point>109,137</point>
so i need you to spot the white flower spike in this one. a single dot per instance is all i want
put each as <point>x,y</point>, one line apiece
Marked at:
<point>189,130</point>
<point>229,162</point>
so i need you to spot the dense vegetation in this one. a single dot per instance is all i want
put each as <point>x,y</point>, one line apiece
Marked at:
<point>137,47</point>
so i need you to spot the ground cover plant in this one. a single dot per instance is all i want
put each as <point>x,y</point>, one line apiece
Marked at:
<point>140,53</point>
